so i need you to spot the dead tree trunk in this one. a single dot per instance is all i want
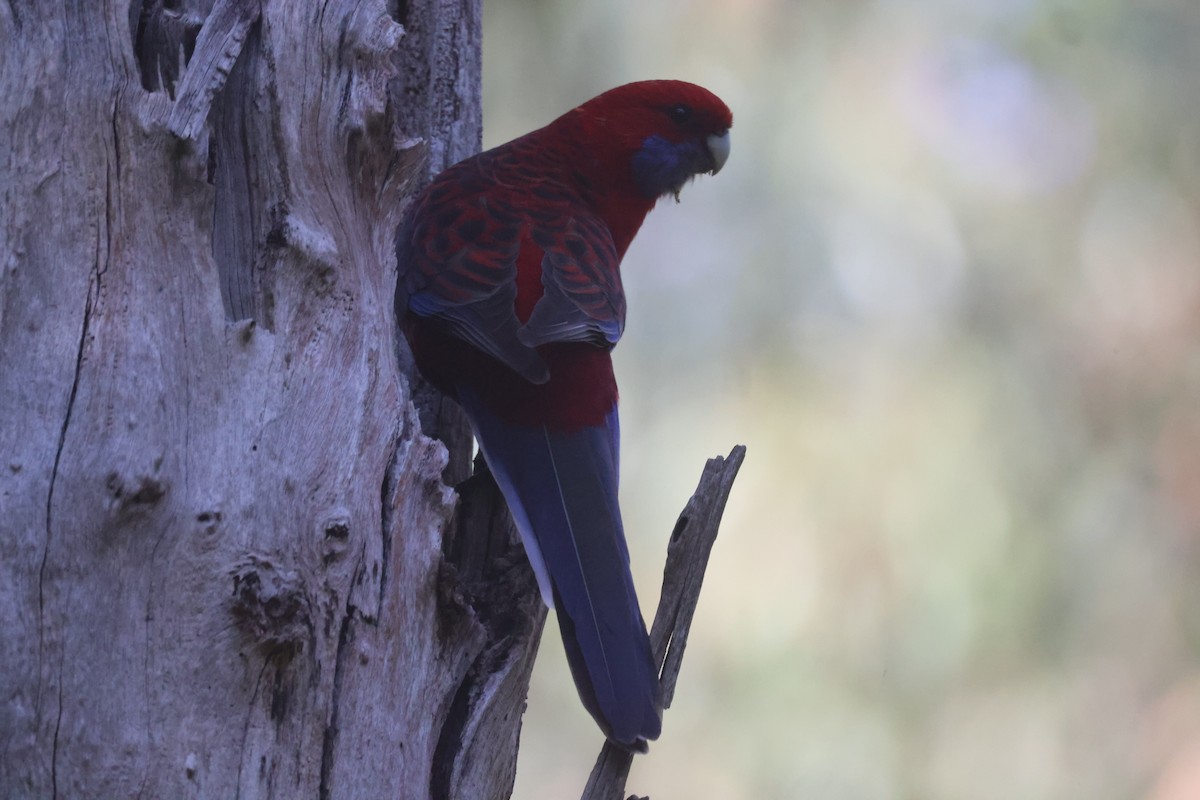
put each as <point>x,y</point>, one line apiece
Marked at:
<point>221,534</point>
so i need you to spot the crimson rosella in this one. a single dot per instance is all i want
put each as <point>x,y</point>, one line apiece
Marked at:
<point>510,297</point>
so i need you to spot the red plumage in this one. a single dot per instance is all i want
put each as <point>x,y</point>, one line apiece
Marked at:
<point>510,297</point>
<point>489,220</point>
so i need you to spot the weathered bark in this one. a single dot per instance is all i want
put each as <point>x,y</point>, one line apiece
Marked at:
<point>221,549</point>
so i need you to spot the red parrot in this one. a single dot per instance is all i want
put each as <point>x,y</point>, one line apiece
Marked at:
<point>510,296</point>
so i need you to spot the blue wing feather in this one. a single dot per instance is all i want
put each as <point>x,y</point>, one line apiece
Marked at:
<point>562,490</point>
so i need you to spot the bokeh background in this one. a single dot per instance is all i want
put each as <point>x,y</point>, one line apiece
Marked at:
<point>947,291</point>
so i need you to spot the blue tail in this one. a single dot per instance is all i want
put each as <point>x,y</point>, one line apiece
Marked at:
<point>562,491</point>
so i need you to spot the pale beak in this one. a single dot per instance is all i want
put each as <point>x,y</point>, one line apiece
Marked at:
<point>718,148</point>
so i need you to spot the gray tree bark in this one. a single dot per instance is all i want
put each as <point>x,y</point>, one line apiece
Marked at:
<point>227,567</point>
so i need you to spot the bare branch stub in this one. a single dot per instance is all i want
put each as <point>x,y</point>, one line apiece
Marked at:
<point>687,559</point>
<point>216,49</point>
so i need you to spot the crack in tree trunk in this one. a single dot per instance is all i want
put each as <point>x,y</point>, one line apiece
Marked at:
<point>329,736</point>
<point>49,528</point>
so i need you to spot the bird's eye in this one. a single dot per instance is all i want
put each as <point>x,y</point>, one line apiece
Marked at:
<point>680,114</point>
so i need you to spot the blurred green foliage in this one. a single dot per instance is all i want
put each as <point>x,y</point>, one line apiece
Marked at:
<point>947,290</point>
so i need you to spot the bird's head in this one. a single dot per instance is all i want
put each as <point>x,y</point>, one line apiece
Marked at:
<point>655,136</point>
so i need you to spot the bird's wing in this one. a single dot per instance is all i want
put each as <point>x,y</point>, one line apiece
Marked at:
<point>582,297</point>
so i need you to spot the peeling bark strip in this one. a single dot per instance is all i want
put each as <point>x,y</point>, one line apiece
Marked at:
<point>687,559</point>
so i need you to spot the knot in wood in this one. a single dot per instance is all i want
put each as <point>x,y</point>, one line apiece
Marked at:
<point>335,535</point>
<point>129,493</point>
<point>270,604</point>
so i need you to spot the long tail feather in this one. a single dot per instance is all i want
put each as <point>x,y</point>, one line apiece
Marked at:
<point>562,491</point>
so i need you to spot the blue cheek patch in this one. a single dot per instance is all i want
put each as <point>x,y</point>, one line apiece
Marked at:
<point>661,167</point>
